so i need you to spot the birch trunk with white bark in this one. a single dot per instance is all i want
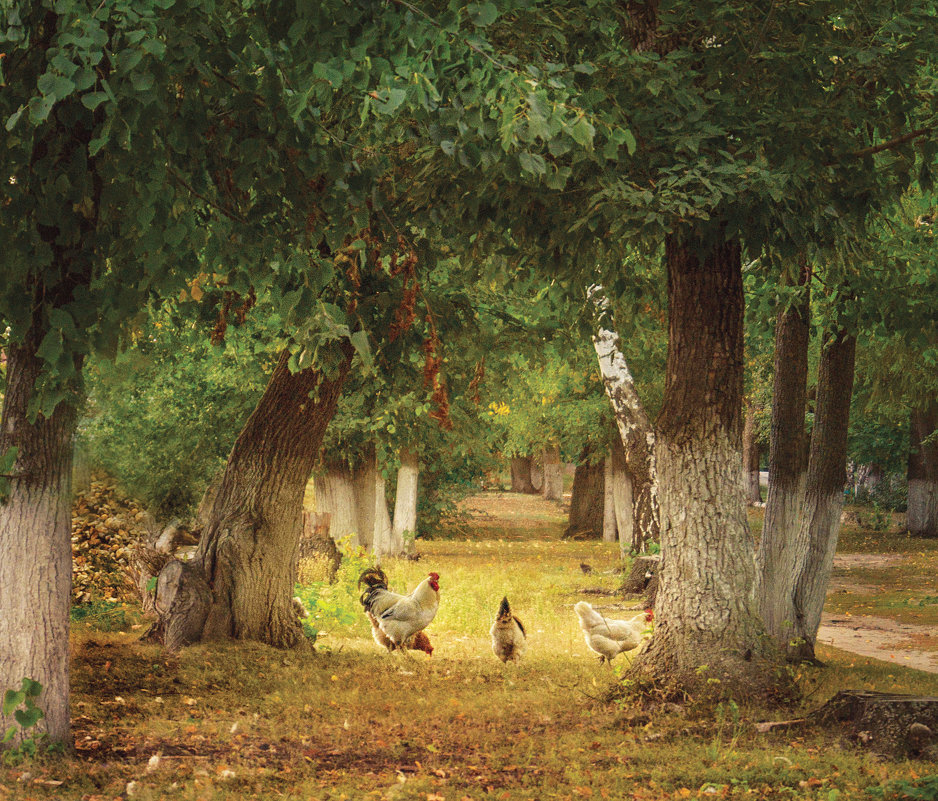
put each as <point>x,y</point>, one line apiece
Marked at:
<point>405,503</point>
<point>635,430</point>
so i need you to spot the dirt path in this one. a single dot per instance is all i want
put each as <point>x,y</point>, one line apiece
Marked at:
<point>867,635</point>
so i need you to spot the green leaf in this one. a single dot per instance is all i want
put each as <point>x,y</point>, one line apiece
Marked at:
<point>14,118</point>
<point>582,132</point>
<point>39,108</point>
<point>532,162</point>
<point>359,341</point>
<point>28,717</point>
<point>482,14</point>
<point>11,700</point>
<point>630,143</point>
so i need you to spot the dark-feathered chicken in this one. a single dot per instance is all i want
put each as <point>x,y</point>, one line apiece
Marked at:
<point>508,636</point>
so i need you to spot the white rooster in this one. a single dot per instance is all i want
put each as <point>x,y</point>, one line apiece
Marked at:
<point>399,617</point>
<point>609,638</point>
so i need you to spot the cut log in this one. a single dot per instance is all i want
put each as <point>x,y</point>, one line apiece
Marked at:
<point>644,568</point>
<point>183,598</point>
<point>889,724</point>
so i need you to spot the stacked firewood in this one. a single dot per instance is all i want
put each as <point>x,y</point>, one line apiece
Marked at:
<point>106,529</point>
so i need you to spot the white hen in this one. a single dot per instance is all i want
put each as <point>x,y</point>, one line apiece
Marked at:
<point>609,638</point>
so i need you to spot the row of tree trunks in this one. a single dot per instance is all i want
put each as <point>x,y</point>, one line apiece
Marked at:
<point>788,464</point>
<point>35,540</point>
<point>248,550</point>
<point>356,502</point>
<point>705,610</point>
<point>922,513</point>
<point>751,454</point>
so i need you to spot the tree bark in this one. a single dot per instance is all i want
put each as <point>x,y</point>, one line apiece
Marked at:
<point>610,530</point>
<point>552,489</point>
<point>788,464</point>
<point>521,475</point>
<point>824,493</point>
<point>373,516</point>
<point>248,551</point>
<point>751,454</point>
<point>334,489</point>
<point>35,543</point>
<point>587,500</point>
<point>708,634</point>
<point>405,503</point>
<point>922,512</point>
<point>635,430</point>
<point>631,535</point>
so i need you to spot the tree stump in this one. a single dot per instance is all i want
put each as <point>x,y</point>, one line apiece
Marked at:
<point>890,724</point>
<point>183,597</point>
<point>644,569</point>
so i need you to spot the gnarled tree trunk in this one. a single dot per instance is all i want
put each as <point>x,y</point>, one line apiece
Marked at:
<point>248,550</point>
<point>824,492</point>
<point>587,500</point>
<point>788,464</point>
<point>35,543</point>
<point>552,488</point>
<point>922,513</point>
<point>521,475</point>
<point>707,629</point>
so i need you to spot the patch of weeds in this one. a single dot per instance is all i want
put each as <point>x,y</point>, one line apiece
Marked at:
<point>925,789</point>
<point>101,615</point>
<point>334,605</point>
<point>30,745</point>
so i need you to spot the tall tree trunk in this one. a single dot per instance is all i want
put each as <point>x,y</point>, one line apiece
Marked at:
<point>248,551</point>
<point>610,531</point>
<point>552,489</point>
<point>631,536</point>
<point>587,500</point>
<point>405,502</point>
<point>707,628</point>
<point>922,513</point>
<point>788,464</point>
<point>35,543</point>
<point>521,475</point>
<point>635,430</point>
<point>751,453</point>
<point>824,493</point>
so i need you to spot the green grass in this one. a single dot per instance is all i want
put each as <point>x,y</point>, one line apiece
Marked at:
<point>350,721</point>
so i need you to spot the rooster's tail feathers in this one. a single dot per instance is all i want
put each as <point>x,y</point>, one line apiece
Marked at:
<point>375,580</point>
<point>504,610</point>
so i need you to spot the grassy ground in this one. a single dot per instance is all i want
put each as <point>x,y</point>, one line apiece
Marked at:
<point>350,721</point>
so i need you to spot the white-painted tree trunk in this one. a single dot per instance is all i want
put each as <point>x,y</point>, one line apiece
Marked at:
<point>552,489</point>
<point>405,503</point>
<point>336,496</point>
<point>373,517</point>
<point>610,529</point>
